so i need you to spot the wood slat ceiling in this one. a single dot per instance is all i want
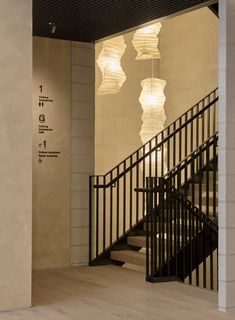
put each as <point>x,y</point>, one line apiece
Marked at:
<point>91,20</point>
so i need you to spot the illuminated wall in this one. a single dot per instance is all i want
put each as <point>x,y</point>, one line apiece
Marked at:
<point>189,64</point>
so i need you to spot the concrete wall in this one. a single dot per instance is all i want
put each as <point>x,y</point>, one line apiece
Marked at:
<point>189,64</point>
<point>15,153</point>
<point>82,145</point>
<point>51,175</point>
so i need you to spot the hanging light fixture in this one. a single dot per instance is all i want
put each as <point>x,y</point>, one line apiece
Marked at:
<point>109,62</point>
<point>145,41</point>
<point>152,100</point>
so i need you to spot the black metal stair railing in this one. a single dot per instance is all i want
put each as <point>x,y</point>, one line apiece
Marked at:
<point>180,239</point>
<point>115,208</point>
<point>196,177</point>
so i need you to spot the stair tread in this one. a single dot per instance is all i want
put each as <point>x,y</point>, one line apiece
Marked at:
<point>139,241</point>
<point>211,208</point>
<point>129,256</point>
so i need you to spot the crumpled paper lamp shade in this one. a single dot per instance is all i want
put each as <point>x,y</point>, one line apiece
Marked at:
<point>152,100</point>
<point>145,41</point>
<point>109,62</point>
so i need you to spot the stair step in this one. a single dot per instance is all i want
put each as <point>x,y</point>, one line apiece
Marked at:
<point>129,256</point>
<point>138,241</point>
<point>204,194</point>
<point>211,209</point>
<point>203,199</point>
<point>203,188</point>
<point>211,174</point>
<point>141,241</point>
<point>157,229</point>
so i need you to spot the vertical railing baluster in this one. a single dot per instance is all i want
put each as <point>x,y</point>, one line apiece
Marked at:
<point>111,209</point>
<point>130,194</point>
<point>198,247</point>
<point>183,227</point>
<point>174,145</point>
<point>156,159</point>
<point>117,205</point>
<point>168,149</point>
<point>178,227</point>
<point>203,125</point>
<point>166,239</point>
<point>143,177</point>
<point>214,113</point>
<point>148,208</point>
<point>124,199</point>
<point>162,157</point>
<point>152,241</point>
<point>197,127</point>
<point>204,254</point>
<point>208,120</point>
<point>154,230</point>
<point>137,186</point>
<point>207,179</point>
<point>197,132</point>
<point>171,221</point>
<point>150,158</point>
<point>169,229</point>
<point>90,217</point>
<point>161,215</point>
<point>211,261</point>
<point>214,177</point>
<point>200,180</point>
<point>104,213</point>
<point>180,140</point>
<point>190,248</point>
<point>97,217</point>
<point>186,136</point>
<point>175,234</point>
<point>191,134</point>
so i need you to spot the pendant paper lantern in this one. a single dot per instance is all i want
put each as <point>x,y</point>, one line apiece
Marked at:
<point>152,100</point>
<point>145,41</point>
<point>109,62</point>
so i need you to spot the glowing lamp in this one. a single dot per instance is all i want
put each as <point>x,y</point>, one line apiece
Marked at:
<point>109,62</point>
<point>145,41</point>
<point>152,100</point>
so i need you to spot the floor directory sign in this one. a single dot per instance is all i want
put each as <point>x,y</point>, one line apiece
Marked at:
<point>45,130</point>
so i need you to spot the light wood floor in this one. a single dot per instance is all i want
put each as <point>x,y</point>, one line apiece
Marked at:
<point>114,293</point>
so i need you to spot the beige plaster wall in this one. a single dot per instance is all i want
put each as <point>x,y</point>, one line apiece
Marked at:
<point>226,157</point>
<point>118,117</point>
<point>82,145</point>
<point>189,59</point>
<point>51,176</point>
<point>189,64</point>
<point>15,153</point>
<point>60,186</point>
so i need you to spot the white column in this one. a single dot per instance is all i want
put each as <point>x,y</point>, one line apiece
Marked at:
<point>15,153</point>
<point>227,156</point>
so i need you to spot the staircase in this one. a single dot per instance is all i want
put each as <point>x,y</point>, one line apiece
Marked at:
<point>163,223</point>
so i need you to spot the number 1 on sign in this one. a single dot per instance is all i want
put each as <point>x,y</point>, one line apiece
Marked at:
<point>40,87</point>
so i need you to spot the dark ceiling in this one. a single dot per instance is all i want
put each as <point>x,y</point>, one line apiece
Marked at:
<point>91,20</point>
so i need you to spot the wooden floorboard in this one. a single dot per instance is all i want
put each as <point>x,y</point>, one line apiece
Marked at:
<point>113,293</point>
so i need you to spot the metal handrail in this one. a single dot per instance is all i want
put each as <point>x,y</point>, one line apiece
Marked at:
<point>157,146</point>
